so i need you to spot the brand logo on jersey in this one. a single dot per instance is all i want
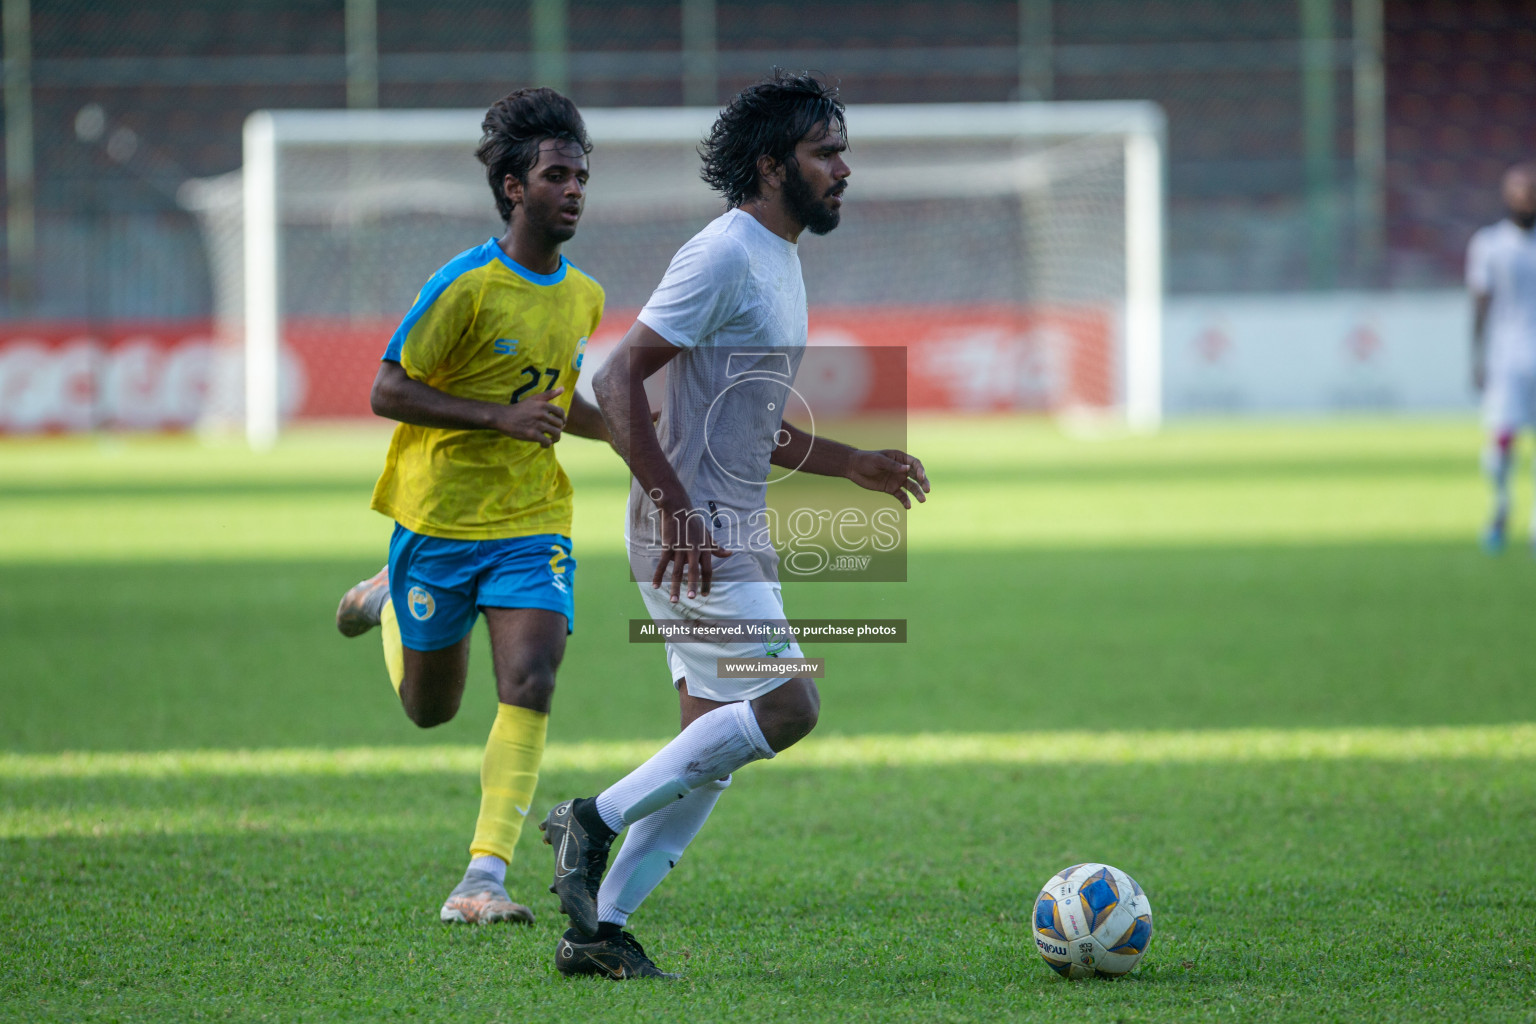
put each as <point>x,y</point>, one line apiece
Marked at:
<point>581,353</point>
<point>506,346</point>
<point>421,604</point>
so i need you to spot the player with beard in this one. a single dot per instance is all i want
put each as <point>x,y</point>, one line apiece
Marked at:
<point>728,322</point>
<point>1501,275</point>
<point>481,376</point>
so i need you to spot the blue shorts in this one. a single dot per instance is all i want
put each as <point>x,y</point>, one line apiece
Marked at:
<point>438,586</point>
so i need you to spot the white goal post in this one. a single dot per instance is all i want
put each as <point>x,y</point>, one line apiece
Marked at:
<point>1088,177</point>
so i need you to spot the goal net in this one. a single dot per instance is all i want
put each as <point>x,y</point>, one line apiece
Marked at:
<point>1013,250</point>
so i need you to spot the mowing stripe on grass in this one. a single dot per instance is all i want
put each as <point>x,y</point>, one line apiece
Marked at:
<point>1492,742</point>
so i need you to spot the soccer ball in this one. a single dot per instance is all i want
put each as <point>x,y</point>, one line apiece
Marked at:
<point>1092,920</point>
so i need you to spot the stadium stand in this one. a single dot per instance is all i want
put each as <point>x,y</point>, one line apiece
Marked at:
<point>173,83</point>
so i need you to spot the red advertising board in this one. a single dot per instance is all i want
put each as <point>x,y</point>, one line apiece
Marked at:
<point>59,376</point>
<point>62,376</point>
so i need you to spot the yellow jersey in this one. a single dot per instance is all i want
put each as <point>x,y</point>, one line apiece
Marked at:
<point>485,327</point>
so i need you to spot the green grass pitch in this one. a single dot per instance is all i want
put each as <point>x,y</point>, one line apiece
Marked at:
<point>1261,667</point>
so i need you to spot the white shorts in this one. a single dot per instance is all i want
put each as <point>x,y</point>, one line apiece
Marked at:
<point>1509,402</point>
<point>696,662</point>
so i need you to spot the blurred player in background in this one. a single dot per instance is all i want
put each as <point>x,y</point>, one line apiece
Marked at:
<point>481,376</point>
<point>733,297</point>
<point>1501,274</point>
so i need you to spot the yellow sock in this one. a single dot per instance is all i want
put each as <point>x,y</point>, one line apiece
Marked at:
<point>394,647</point>
<point>508,776</point>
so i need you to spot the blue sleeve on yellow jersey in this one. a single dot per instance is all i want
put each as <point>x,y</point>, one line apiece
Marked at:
<point>433,290</point>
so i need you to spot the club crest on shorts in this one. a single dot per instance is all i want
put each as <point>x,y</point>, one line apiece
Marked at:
<point>421,604</point>
<point>776,646</point>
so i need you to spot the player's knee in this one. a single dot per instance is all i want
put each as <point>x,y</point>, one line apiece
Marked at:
<point>786,731</point>
<point>529,685</point>
<point>790,715</point>
<point>424,707</point>
<point>427,715</point>
<point>808,709</point>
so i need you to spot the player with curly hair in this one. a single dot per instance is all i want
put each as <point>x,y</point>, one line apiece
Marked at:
<point>481,376</point>
<point>728,322</point>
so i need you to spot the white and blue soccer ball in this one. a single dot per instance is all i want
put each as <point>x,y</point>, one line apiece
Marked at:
<point>1092,920</point>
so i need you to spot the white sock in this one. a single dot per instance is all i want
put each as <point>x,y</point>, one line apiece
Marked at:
<point>651,849</point>
<point>491,865</point>
<point>713,746</point>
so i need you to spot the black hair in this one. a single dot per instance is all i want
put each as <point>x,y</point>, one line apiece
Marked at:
<point>767,119</point>
<point>513,129</point>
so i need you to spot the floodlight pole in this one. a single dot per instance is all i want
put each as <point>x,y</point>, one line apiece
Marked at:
<point>1318,73</point>
<point>20,169</point>
<point>701,75</point>
<point>1037,70</point>
<point>1370,141</point>
<point>362,32</point>
<point>551,49</point>
<point>262,308</point>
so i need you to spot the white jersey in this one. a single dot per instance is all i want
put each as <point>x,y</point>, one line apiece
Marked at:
<point>1501,263</point>
<point>733,299</point>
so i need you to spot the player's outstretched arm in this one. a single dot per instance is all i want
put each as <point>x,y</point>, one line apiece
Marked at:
<point>889,470</point>
<point>398,396</point>
<point>687,547</point>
